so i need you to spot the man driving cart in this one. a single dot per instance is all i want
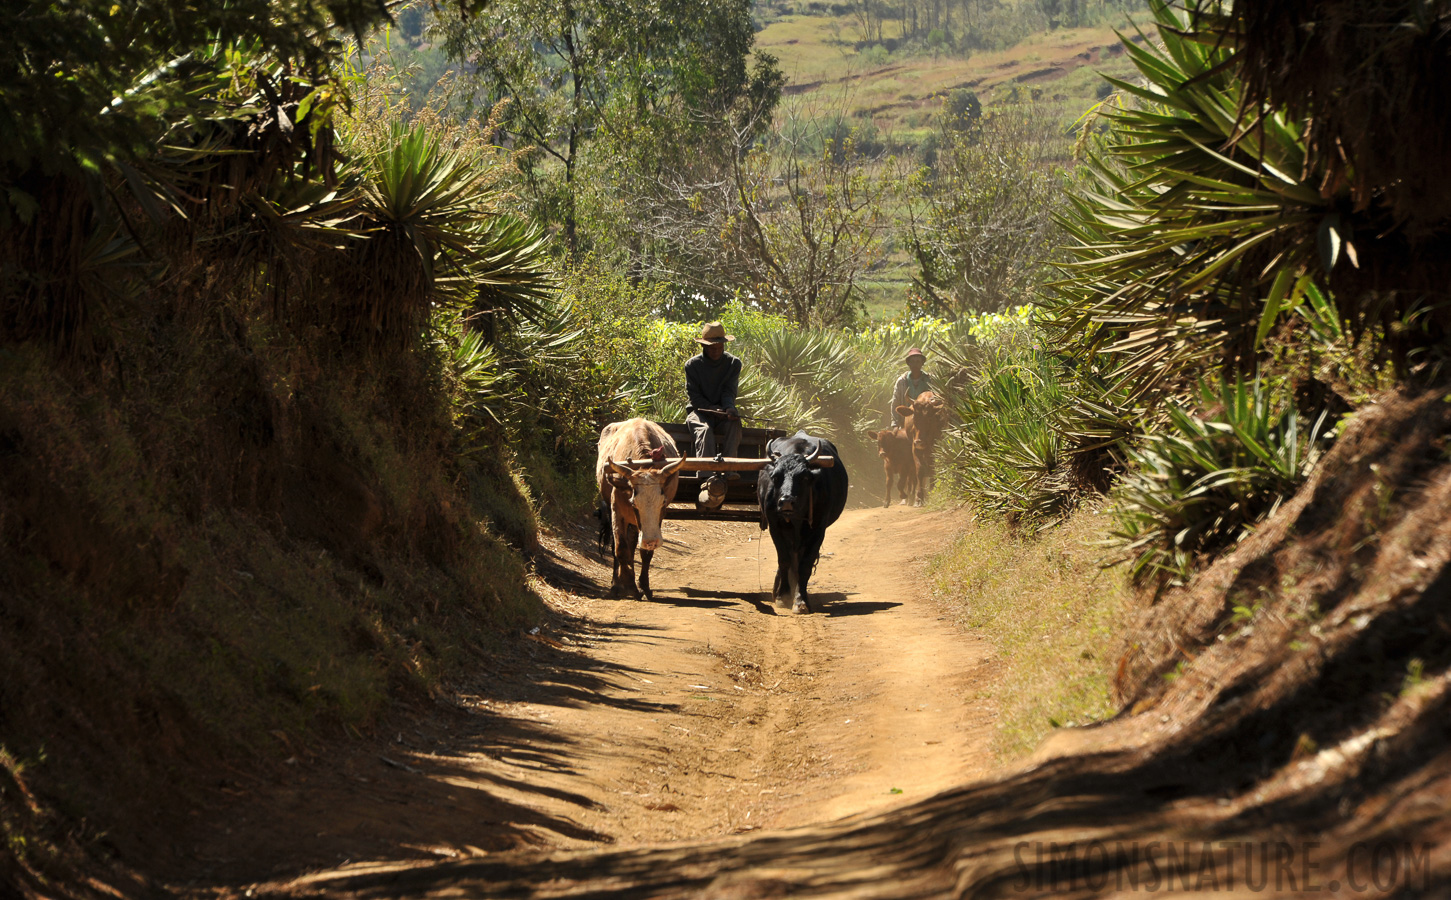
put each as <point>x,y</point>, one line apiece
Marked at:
<point>711,381</point>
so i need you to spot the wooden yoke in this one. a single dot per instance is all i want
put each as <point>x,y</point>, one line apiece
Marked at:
<point>728,464</point>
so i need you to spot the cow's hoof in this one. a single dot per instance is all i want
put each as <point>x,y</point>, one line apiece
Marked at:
<point>782,602</point>
<point>917,503</point>
<point>800,608</point>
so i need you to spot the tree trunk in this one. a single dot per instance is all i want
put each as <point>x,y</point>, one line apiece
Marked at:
<point>571,237</point>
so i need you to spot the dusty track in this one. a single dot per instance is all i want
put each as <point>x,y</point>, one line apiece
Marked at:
<point>703,714</point>
<point>1281,753</point>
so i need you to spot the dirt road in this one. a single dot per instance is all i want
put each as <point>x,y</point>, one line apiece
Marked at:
<point>703,713</point>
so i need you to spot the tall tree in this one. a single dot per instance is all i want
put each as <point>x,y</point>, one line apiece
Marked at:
<point>792,220</point>
<point>980,218</point>
<point>573,69</point>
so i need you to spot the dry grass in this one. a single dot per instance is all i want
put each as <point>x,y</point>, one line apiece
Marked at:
<point>816,53</point>
<point>1046,605</point>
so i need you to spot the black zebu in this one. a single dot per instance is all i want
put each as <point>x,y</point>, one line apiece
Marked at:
<point>798,502</point>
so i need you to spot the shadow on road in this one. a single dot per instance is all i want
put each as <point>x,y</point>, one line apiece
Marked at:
<point>419,783</point>
<point>699,599</point>
<point>836,605</point>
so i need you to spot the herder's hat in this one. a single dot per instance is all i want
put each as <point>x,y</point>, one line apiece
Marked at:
<point>914,352</point>
<point>714,333</point>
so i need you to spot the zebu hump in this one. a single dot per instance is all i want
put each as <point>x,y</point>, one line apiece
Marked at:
<point>631,439</point>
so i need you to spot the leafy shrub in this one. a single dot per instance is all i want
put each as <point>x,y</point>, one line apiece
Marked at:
<point>875,56</point>
<point>1007,457</point>
<point>1202,483</point>
<point>628,345</point>
<point>477,382</point>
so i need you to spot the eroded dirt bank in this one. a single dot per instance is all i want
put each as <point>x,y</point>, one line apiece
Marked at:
<point>700,715</point>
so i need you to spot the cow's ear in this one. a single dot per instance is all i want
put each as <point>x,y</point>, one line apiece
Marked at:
<point>619,482</point>
<point>904,410</point>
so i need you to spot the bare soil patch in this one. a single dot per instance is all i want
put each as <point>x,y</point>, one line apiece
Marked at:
<point>704,714</point>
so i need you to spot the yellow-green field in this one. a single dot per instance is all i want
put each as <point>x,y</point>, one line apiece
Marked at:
<point>904,91</point>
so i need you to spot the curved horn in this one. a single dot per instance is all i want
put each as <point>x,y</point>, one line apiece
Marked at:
<point>619,469</point>
<point>672,468</point>
<point>815,452</point>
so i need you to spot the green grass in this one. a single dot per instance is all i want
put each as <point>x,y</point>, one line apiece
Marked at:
<point>885,298</point>
<point>1049,610</point>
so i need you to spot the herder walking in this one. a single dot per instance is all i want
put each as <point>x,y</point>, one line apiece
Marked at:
<point>910,384</point>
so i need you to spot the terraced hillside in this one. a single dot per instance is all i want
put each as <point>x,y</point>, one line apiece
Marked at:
<point>902,91</point>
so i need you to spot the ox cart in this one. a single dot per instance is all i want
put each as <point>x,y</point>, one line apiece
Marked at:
<point>740,500</point>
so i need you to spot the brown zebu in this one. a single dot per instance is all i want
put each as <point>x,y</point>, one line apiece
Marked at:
<point>894,446</point>
<point>923,421</point>
<point>634,500</point>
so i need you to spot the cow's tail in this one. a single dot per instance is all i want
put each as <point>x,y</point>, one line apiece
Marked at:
<point>607,529</point>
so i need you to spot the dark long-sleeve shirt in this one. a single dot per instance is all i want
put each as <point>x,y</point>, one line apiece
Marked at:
<point>712,383</point>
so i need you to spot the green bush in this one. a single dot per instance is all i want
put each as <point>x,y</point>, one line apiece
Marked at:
<point>1202,483</point>
<point>875,57</point>
<point>1007,458</point>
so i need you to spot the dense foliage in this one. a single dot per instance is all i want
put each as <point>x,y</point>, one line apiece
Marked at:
<point>1210,239</point>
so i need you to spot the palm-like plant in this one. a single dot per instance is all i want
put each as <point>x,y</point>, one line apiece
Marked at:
<point>774,404</point>
<point>480,387</point>
<point>1200,484</point>
<point>1198,221</point>
<point>434,233</point>
<point>1007,456</point>
<point>817,364</point>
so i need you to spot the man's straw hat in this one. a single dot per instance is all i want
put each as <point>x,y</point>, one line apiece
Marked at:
<point>714,333</point>
<point>914,352</point>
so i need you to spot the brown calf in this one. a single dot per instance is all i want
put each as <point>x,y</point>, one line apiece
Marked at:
<point>895,449</point>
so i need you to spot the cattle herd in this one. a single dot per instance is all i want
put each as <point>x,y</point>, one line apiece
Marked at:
<point>638,475</point>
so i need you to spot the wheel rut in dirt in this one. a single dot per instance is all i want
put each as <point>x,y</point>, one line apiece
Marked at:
<point>704,713</point>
